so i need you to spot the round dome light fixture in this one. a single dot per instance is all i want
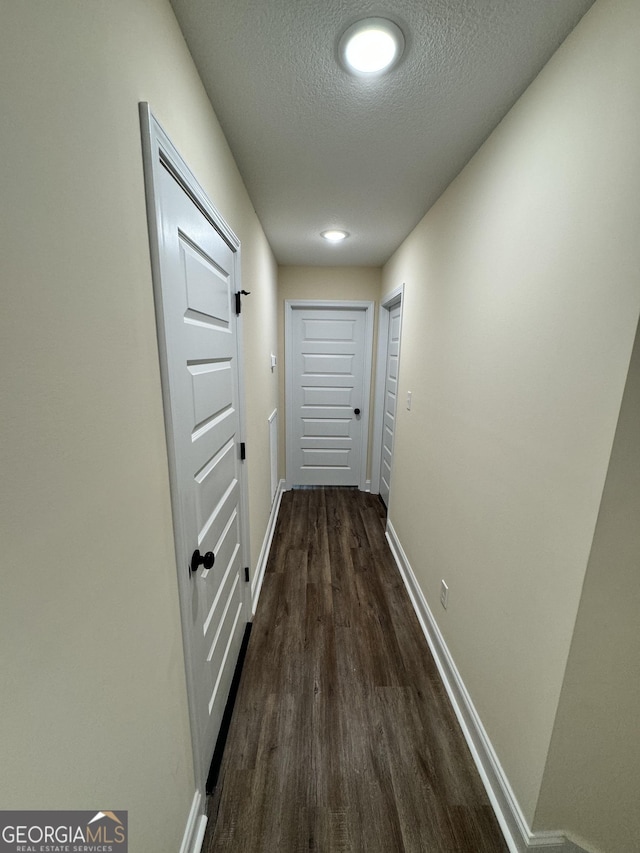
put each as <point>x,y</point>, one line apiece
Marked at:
<point>334,235</point>
<point>371,46</point>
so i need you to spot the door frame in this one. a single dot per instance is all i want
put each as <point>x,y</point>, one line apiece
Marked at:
<point>390,301</point>
<point>290,306</point>
<point>160,153</point>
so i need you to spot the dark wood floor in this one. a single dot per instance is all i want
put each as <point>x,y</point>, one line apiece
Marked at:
<point>342,737</point>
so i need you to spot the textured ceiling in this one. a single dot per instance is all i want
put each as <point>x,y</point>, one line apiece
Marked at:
<point>319,149</point>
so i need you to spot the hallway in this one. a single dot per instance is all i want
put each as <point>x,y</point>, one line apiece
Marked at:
<point>343,738</point>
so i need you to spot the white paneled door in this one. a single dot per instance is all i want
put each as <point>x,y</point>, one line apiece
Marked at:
<point>198,335</point>
<point>328,376</point>
<point>390,400</point>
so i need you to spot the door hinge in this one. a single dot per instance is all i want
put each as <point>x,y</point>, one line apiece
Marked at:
<point>243,451</point>
<point>239,295</point>
<point>246,573</point>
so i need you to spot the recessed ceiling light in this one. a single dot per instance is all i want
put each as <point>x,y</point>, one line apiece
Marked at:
<point>334,235</point>
<point>371,46</point>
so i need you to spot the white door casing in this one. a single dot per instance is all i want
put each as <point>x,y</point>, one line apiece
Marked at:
<point>393,302</point>
<point>390,400</point>
<point>195,261</point>
<point>328,374</point>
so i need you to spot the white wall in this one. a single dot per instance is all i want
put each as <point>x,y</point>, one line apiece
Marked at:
<point>93,708</point>
<point>521,303</point>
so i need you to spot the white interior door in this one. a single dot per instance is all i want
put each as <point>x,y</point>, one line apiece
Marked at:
<point>390,400</point>
<point>195,288</point>
<point>328,373</point>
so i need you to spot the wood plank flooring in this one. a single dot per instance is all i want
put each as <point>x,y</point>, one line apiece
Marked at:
<point>342,737</point>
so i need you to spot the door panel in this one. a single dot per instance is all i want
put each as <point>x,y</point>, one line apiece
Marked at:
<point>327,396</point>
<point>317,367</point>
<point>207,286</point>
<point>326,428</point>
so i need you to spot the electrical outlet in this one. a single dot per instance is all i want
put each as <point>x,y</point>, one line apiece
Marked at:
<point>408,401</point>
<point>444,594</point>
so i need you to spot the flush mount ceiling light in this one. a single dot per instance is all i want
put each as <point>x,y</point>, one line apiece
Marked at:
<point>333,235</point>
<point>371,46</point>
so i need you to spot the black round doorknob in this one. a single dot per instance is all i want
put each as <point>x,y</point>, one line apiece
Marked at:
<point>197,559</point>
<point>356,411</point>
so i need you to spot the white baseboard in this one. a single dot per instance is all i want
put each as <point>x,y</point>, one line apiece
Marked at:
<point>195,828</point>
<point>518,835</point>
<point>256,585</point>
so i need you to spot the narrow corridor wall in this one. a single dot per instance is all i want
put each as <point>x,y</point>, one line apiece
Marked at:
<point>93,706</point>
<point>521,304</point>
<point>592,777</point>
